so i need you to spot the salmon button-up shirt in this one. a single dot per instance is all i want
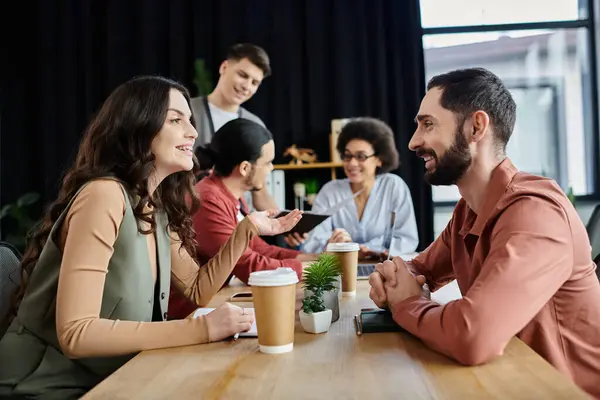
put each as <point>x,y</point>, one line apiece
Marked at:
<point>524,268</point>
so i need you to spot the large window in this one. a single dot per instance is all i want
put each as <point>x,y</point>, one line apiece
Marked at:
<point>445,13</point>
<point>544,53</point>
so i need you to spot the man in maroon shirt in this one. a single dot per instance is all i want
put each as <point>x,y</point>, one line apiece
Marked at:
<point>240,157</point>
<point>515,244</point>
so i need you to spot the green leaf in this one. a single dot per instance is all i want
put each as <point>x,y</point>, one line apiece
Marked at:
<point>312,186</point>
<point>202,78</point>
<point>16,213</point>
<point>313,304</point>
<point>319,277</point>
<point>27,199</point>
<point>5,210</point>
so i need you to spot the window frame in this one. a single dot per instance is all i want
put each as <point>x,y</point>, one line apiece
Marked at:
<point>588,23</point>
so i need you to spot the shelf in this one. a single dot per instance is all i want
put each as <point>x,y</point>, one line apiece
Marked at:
<point>308,166</point>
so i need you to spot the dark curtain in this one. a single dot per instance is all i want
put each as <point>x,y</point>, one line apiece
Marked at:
<point>330,59</point>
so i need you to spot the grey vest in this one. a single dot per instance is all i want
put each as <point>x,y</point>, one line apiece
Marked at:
<point>204,124</point>
<point>31,361</point>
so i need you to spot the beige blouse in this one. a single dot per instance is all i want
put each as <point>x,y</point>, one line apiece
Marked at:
<point>86,240</point>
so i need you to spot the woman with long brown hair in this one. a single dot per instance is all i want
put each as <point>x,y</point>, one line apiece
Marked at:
<point>97,272</point>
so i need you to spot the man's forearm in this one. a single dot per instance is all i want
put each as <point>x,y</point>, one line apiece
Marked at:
<point>262,200</point>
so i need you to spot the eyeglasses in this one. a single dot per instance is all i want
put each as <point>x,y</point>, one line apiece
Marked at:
<point>360,157</point>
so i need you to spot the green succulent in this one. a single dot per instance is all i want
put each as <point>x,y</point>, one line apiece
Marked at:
<point>320,277</point>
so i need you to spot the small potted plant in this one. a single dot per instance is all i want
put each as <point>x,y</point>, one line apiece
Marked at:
<point>22,223</point>
<point>321,298</point>
<point>332,294</point>
<point>202,78</point>
<point>312,188</point>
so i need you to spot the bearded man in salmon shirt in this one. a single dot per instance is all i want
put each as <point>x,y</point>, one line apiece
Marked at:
<point>515,244</point>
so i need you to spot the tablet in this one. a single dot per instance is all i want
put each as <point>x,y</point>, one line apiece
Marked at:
<point>307,223</point>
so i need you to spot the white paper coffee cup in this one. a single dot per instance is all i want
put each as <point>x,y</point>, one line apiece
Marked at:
<point>274,294</point>
<point>347,254</point>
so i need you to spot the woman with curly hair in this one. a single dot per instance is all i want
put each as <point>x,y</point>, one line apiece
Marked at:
<point>96,274</point>
<point>381,219</point>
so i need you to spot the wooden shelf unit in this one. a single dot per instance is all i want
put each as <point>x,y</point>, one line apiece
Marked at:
<point>317,165</point>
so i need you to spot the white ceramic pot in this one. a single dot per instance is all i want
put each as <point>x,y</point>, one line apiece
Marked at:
<point>315,322</point>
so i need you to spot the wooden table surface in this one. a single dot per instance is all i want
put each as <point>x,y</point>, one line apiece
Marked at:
<point>334,365</point>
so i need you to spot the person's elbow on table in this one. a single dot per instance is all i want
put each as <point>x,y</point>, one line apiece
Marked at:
<point>469,342</point>
<point>477,351</point>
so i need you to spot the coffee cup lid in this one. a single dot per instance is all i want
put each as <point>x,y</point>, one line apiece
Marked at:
<point>276,277</point>
<point>342,247</point>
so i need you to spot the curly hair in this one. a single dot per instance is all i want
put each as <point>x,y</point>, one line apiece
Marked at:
<point>117,144</point>
<point>378,134</point>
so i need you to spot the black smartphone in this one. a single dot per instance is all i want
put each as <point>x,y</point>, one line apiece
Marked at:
<point>372,320</point>
<point>241,296</point>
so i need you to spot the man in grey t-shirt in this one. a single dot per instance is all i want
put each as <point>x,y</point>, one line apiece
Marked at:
<point>240,75</point>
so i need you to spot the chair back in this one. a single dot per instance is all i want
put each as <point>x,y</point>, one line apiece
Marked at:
<point>593,230</point>
<point>10,277</point>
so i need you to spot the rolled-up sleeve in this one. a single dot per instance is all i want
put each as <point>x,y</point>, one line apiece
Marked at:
<point>531,256</point>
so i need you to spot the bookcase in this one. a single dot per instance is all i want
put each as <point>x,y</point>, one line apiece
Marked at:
<point>282,191</point>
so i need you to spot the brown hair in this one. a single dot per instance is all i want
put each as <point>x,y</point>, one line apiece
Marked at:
<point>256,54</point>
<point>465,91</point>
<point>117,144</point>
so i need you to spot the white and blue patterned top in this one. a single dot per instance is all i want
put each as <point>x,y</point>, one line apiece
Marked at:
<point>389,193</point>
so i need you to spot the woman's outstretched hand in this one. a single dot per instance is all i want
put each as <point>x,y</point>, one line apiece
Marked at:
<point>269,226</point>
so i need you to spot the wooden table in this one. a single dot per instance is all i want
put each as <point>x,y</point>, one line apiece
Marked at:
<point>335,365</point>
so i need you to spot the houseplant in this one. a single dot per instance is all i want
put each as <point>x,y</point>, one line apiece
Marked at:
<point>202,78</point>
<point>312,188</point>
<point>571,195</point>
<point>320,284</point>
<point>21,220</point>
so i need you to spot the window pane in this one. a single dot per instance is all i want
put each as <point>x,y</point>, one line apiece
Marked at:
<point>439,13</point>
<point>548,75</point>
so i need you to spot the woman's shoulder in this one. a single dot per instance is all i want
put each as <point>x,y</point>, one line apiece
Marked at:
<point>105,188</point>
<point>99,205</point>
<point>334,185</point>
<point>392,181</point>
<point>102,193</point>
<point>392,186</point>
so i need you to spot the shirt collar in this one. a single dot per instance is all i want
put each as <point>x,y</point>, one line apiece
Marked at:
<point>238,204</point>
<point>501,178</point>
<point>217,181</point>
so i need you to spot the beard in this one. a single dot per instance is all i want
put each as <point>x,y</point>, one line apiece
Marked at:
<point>250,181</point>
<point>452,165</point>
